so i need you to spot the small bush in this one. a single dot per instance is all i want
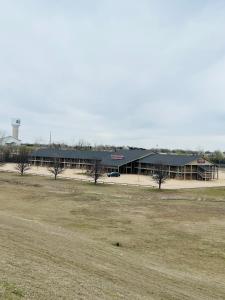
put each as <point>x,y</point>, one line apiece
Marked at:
<point>117,244</point>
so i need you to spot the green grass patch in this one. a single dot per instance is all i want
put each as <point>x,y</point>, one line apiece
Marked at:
<point>9,291</point>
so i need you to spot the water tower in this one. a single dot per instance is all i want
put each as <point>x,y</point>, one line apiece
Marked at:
<point>15,128</point>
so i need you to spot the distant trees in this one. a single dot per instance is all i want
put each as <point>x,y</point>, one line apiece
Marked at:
<point>7,153</point>
<point>160,175</point>
<point>96,170</point>
<point>56,168</point>
<point>1,150</point>
<point>2,135</point>
<point>2,159</point>
<point>22,159</point>
<point>217,157</point>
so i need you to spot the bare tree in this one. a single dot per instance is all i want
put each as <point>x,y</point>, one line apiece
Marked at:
<point>57,167</point>
<point>1,150</point>
<point>160,175</point>
<point>7,153</point>
<point>23,161</point>
<point>2,158</point>
<point>83,145</point>
<point>2,135</point>
<point>96,171</point>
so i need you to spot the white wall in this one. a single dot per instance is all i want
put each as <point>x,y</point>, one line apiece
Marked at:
<point>9,140</point>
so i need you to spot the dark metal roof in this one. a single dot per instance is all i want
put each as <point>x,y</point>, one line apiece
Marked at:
<point>170,159</point>
<point>108,158</point>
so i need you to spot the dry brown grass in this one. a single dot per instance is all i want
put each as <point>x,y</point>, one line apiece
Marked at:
<point>58,240</point>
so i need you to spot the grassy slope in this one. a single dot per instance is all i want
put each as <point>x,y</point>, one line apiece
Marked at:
<point>57,240</point>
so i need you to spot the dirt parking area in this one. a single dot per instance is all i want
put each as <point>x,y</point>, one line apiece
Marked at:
<point>129,179</point>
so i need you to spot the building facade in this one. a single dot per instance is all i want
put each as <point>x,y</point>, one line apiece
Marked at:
<point>180,166</point>
<point>130,162</point>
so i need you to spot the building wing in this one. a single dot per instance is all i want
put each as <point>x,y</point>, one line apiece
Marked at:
<point>107,158</point>
<point>171,159</point>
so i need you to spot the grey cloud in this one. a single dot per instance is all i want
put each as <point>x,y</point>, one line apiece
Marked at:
<point>123,72</point>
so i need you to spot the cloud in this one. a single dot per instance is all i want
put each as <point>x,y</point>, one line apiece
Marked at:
<point>121,72</point>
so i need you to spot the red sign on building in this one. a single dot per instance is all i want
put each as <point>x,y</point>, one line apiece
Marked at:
<point>201,161</point>
<point>117,156</point>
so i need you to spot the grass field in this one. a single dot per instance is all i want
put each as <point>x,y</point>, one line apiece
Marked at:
<point>69,240</point>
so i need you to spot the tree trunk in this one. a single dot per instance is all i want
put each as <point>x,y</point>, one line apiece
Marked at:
<point>160,184</point>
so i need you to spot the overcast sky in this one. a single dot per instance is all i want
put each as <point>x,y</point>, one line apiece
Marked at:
<point>123,72</point>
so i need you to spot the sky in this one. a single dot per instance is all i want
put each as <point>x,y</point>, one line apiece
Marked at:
<point>142,73</point>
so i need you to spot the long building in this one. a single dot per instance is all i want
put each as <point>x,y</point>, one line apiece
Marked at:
<point>130,162</point>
